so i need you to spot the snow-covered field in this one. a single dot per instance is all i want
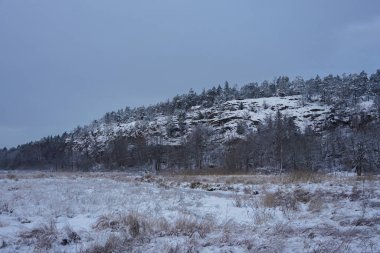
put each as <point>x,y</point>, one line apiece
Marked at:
<point>119,212</point>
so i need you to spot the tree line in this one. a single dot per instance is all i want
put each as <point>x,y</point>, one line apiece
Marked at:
<point>339,91</point>
<point>277,145</point>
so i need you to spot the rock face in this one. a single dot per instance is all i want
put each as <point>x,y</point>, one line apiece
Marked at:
<point>229,120</point>
<point>224,120</point>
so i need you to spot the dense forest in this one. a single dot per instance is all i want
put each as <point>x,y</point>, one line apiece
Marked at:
<point>275,144</point>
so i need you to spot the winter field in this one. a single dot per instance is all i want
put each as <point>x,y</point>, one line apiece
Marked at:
<point>120,212</point>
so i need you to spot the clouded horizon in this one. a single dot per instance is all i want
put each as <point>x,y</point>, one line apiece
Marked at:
<point>66,63</point>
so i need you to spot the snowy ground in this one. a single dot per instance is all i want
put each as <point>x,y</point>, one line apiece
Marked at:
<point>117,212</point>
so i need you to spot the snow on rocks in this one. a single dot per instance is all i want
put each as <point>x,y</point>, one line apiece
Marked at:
<point>223,118</point>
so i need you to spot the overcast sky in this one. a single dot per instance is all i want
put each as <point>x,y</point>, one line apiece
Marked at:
<point>66,63</point>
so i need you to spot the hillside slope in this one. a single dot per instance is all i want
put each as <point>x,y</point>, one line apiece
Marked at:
<point>223,119</point>
<point>320,123</point>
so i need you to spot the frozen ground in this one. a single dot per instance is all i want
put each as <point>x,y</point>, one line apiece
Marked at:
<point>117,212</point>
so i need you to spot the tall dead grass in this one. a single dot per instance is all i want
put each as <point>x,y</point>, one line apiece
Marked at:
<point>303,176</point>
<point>135,228</point>
<point>42,236</point>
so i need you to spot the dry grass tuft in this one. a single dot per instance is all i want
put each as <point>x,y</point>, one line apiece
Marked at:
<point>280,199</point>
<point>317,202</point>
<point>142,229</point>
<point>187,226</point>
<point>195,185</point>
<point>283,229</point>
<point>113,244</point>
<point>12,176</point>
<point>238,201</point>
<point>303,176</point>
<point>174,249</point>
<point>162,226</point>
<point>103,222</point>
<point>369,222</point>
<point>356,194</point>
<point>40,175</point>
<point>71,236</point>
<point>5,208</point>
<point>43,236</point>
<point>302,196</point>
<point>133,224</point>
<point>262,216</point>
<point>286,201</point>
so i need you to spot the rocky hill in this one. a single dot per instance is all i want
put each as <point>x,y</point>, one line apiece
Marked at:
<point>229,120</point>
<point>318,123</point>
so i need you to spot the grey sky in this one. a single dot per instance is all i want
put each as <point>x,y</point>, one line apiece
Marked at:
<point>66,63</point>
